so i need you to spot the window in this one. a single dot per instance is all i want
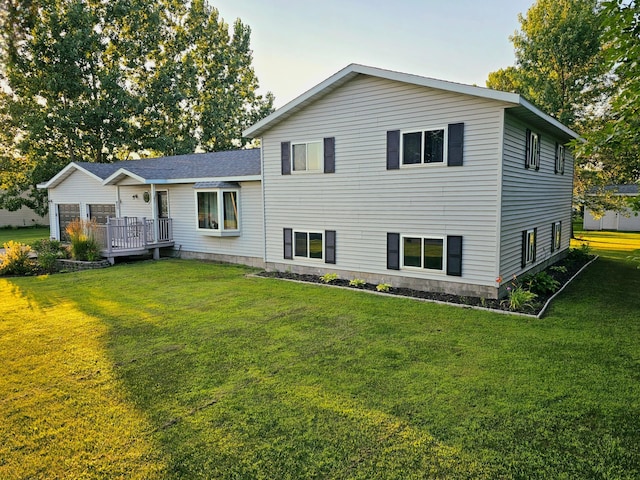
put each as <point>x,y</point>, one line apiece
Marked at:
<point>421,252</point>
<point>556,236</point>
<point>559,159</point>
<point>218,212</point>
<point>532,159</point>
<point>529,246</point>
<point>306,157</point>
<point>423,147</point>
<point>308,244</point>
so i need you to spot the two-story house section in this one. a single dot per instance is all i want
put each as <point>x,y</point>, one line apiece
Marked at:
<point>421,183</point>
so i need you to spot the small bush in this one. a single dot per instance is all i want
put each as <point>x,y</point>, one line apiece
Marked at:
<point>329,277</point>
<point>558,268</point>
<point>357,282</point>
<point>15,260</point>
<point>84,245</point>
<point>49,251</point>
<point>581,254</point>
<point>383,287</point>
<point>520,298</point>
<point>542,283</point>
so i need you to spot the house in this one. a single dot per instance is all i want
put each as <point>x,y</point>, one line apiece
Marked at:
<point>625,221</point>
<point>415,182</point>
<point>384,176</point>
<point>209,205</point>
<point>23,217</point>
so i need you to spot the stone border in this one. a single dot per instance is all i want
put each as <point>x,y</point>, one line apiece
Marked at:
<point>78,265</point>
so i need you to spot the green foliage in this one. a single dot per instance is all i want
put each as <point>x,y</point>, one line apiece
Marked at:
<point>580,254</point>
<point>519,298</point>
<point>100,81</point>
<point>357,282</point>
<point>558,268</point>
<point>15,260</point>
<point>542,283</point>
<point>383,287</point>
<point>329,277</point>
<point>84,245</point>
<point>49,251</point>
<point>559,58</point>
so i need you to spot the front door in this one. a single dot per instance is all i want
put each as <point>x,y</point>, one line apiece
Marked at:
<point>162,202</point>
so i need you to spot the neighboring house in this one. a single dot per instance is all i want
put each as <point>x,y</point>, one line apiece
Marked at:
<point>379,175</point>
<point>23,217</point>
<point>626,221</point>
<point>207,205</point>
<point>414,182</point>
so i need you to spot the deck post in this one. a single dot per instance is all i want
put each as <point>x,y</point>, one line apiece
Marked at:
<point>144,231</point>
<point>109,238</point>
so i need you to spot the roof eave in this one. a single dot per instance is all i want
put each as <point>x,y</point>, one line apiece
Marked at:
<point>64,173</point>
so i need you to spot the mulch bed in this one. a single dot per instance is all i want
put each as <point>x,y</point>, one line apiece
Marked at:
<point>572,263</point>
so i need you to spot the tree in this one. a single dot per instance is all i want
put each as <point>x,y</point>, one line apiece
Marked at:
<point>88,80</point>
<point>559,64</point>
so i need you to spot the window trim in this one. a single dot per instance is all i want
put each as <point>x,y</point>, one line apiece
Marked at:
<point>421,268</point>
<point>530,249</point>
<point>561,152</point>
<point>308,256</point>
<point>306,171</point>
<point>221,231</point>
<point>556,239</point>
<point>445,147</point>
<point>532,154</point>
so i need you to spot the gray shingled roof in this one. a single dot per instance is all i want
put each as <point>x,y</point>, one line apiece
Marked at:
<point>630,189</point>
<point>233,163</point>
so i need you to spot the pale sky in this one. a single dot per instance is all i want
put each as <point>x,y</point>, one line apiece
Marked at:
<point>298,43</point>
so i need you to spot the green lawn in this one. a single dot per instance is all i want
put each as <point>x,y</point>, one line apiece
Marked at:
<point>184,369</point>
<point>26,235</point>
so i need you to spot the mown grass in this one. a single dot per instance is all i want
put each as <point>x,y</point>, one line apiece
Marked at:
<point>183,369</point>
<point>26,235</point>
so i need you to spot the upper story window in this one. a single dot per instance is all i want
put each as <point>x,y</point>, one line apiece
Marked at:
<point>532,159</point>
<point>426,146</point>
<point>218,212</point>
<point>306,157</point>
<point>560,155</point>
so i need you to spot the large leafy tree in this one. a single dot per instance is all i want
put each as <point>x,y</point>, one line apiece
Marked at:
<point>612,151</point>
<point>559,65</point>
<point>91,80</point>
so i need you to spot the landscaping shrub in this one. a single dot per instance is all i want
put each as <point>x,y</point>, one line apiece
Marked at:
<point>49,251</point>
<point>84,245</point>
<point>542,283</point>
<point>329,277</point>
<point>15,260</point>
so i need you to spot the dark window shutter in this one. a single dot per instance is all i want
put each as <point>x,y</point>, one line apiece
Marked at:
<point>538,152</point>
<point>393,149</point>
<point>527,142</point>
<point>555,166</point>
<point>285,157</point>
<point>553,237</point>
<point>535,243</point>
<point>454,255</point>
<point>329,155</point>
<point>288,243</point>
<point>455,144</point>
<point>523,261</point>
<point>393,251</point>
<point>330,246</point>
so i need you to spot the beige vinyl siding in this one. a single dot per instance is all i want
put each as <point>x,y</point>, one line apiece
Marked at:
<point>363,201</point>
<point>182,208</point>
<point>78,188</point>
<point>532,199</point>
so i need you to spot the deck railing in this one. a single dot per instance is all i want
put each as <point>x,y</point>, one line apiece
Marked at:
<point>130,233</point>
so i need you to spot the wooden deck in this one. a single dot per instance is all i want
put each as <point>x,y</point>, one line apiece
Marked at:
<point>130,236</point>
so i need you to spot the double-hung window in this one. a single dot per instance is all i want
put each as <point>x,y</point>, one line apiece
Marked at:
<point>560,155</point>
<point>306,157</point>
<point>532,158</point>
<point>556,236</point>
<point>308,245</point>
<point>529,246</point>
<point>423,147</point>
<point>218,211</point>
<point>423,252</point>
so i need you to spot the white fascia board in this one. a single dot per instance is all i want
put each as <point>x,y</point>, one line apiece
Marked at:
<point>114,178</point>
<point>549,119</point>
<point>164,181</point>
<point>64,173</point>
